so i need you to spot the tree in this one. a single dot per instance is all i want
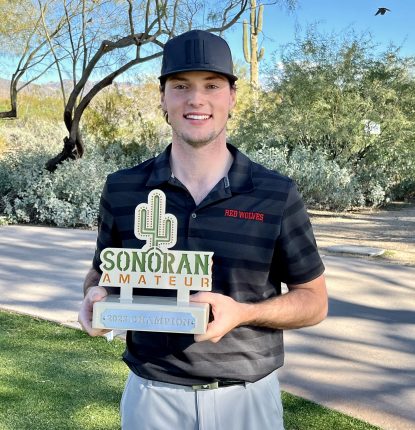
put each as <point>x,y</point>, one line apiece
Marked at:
<point>39,22</point>
<point>159,21</point>
<point>250,35</point>
<point>251,54</point>
<point>325,91</point>
<point>330,87</point>
<point>17,39</point>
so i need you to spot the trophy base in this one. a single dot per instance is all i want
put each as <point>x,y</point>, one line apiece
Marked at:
<point>159,314</point>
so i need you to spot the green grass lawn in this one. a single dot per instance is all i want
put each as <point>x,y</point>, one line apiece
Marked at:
<point>56,378</point>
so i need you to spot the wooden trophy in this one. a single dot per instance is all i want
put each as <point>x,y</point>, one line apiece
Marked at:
<point>154,266</point>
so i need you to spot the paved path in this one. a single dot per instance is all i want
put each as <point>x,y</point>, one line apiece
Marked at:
<point>360,360</point>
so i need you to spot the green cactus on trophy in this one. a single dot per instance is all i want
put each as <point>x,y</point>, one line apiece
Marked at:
<point>153,224</point>
<point>251,54</point>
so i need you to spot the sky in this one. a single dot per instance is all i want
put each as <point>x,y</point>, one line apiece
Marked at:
<point>338,16</point>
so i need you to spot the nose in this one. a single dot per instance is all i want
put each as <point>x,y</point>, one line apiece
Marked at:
<point>196,97</point>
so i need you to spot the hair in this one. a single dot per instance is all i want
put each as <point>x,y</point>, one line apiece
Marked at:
<point>162,87</point>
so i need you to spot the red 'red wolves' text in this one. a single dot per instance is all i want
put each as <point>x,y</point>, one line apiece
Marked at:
<point>252,216</point>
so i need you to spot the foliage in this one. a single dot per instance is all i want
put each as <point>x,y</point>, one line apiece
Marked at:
<point>129,115</point>
<point>321,181</point>
<point>309,123</point>
<point>18,20</point>
<point>33,106</point>
<point>68,197</point>
<point>3,145</point>
<point>246,98</point>
<point>321,97</point>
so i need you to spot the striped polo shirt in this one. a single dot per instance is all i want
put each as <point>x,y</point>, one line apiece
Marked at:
<point>255,223</point>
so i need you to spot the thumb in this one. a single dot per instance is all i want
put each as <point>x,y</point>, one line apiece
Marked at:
<point>96,294</point>
<point>203,297</point>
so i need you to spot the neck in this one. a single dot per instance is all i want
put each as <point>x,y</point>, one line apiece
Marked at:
<point>200,169</point>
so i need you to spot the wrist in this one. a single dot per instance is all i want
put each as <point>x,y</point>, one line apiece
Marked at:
<point>249,314</point>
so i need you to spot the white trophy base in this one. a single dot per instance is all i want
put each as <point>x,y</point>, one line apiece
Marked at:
<point>158,314</point>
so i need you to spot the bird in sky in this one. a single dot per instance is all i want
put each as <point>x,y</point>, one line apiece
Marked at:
<point>382,11</point>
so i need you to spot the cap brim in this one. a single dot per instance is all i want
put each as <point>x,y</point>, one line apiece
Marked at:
<point>201,69</point>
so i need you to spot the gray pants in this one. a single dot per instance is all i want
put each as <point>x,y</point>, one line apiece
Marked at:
<point>152,405</point>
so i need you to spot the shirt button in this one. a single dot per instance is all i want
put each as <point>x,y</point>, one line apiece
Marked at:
<point>194,215</point>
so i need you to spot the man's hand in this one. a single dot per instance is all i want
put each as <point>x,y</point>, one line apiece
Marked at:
<point>94,294</point>
<point>227,314</point>
<point>304,305</point>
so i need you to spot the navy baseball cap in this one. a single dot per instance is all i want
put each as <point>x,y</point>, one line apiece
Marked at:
<point>197,50</point>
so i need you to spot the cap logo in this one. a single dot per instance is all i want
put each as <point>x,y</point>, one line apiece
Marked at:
<point>195,52</point>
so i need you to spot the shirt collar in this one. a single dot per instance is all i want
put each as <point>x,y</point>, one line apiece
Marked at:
<point>240,173</point>
<point>161,169</point>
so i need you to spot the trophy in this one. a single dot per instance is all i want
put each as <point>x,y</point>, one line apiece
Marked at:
<point>157,267</point>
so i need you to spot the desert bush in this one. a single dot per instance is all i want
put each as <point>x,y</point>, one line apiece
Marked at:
<point>3,145</point>
<point>128,116</point>
<point>322,92</point>
<point>68,197</point>
<point>29,144</point>
<point>321,181</point>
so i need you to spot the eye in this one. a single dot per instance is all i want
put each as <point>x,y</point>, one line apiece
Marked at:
<point>212,86</point>
<point>180,87</point>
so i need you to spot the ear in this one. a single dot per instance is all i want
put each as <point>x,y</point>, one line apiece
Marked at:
<point>163,101</point>
<point>232,99</point>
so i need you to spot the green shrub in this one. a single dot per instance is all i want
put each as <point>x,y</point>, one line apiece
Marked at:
<point>321,181</point>
<point>68,197</point>
<point>130,117</point>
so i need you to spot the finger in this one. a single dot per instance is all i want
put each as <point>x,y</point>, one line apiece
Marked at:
<point>204,337</point>
<point>97,294</point>
<point>198,297</point>
<point>210,334</point>
<point>86,312</point>
<point>85,319</point>
<point>204,297</point>
<point>86,324</point>
<point>98,332</point>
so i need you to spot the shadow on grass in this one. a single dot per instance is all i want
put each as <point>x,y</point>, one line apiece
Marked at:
<point>53,377</point>
<point>301,414</point>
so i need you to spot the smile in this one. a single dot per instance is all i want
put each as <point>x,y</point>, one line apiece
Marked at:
<point>197,117</point>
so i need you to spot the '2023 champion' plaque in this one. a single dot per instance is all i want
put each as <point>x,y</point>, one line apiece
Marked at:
<point>154,266</point>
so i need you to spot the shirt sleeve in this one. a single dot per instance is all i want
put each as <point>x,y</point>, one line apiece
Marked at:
<point>297,255</point>
<point>107,231</point>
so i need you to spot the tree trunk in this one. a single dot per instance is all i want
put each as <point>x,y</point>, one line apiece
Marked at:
<point>9,114</point>
<point>69,152</point>
<point>73,145</point>
<point>12,113</point>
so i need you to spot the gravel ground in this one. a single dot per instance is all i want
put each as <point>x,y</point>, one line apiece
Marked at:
<point>392,229</point>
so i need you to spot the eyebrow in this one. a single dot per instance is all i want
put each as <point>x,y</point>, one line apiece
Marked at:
<point>207,78</point>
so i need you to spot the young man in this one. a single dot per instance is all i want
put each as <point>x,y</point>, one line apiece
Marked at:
<point>255,223</point>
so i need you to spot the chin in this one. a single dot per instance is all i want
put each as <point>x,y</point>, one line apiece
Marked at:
<point>200,142</point>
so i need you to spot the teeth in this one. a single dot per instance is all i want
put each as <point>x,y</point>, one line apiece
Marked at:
<point>198,116</point>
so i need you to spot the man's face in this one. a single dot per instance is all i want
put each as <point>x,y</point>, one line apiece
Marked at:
<point>198,105</point>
